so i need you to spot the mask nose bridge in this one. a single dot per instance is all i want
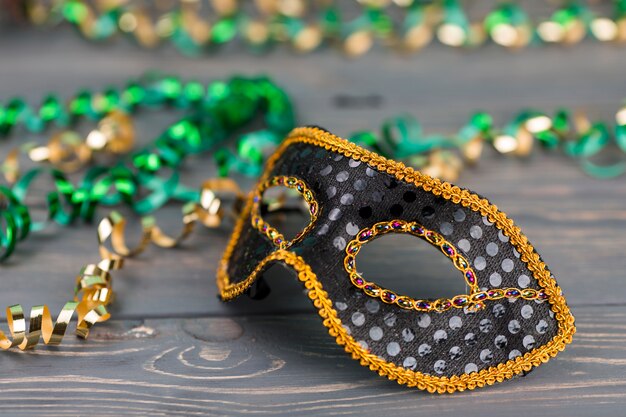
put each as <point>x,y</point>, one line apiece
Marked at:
<point>290,260</point>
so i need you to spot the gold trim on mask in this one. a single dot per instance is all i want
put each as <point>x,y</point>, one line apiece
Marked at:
<point>277,238</point>
<point>431,383</point>
<point>474,301</point>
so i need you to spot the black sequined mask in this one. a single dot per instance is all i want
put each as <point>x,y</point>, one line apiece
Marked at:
<point>512,318</point>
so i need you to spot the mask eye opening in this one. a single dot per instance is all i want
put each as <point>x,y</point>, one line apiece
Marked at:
<point>262,207</point>
<point>435,239</point>
<point>473,301</point>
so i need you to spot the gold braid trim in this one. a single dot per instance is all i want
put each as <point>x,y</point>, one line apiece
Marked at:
<point>528,255</point>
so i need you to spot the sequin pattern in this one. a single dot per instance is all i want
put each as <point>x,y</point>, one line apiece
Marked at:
<point>353,196</point>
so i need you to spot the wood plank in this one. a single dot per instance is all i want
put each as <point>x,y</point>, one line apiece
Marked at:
<point>275,366</point>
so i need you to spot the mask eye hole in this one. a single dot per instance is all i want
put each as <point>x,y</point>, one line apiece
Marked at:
<point>280,202</point>
<point>470,295</point>
<point>408,265</point>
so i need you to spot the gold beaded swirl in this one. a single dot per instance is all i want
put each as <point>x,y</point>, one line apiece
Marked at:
<point>277,238</point>
<point>439,384</point>
<point>473,301</point>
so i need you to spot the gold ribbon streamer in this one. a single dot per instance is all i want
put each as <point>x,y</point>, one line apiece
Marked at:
<point>67,151</point>
<point>93,291</point>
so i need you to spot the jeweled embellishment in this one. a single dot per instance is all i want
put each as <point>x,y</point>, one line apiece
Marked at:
<point>448,250</point>
<point>529,293</point>
<point>388,296</point>
<point>381,227</point>
<point>371,290</point>
<point>357,280</point>
<point>417,229</point>
<point>480,296</point>
<point>432,237</point>
<point>442,305</point>
<point>512,293</point>
<point>461,263</point>
<point>366,235</point>
<point>460,301</point>
<point>473,301</point>
<point>423,305</point>
<point>273,234</point>
<point>353,248</point>
<point>405,302</point>
<point>495,294</point>
<point>397,225</point>
<point>349,263</point>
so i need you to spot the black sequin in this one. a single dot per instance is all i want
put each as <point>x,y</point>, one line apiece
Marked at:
<point>396,210</point>
<point>409,196</point>
<point>365,212</point>
<point>428,212</point>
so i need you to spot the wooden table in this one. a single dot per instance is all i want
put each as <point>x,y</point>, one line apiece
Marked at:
<point>174,349</point>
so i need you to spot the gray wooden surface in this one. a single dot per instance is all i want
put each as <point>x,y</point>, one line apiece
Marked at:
<point>173,349</point>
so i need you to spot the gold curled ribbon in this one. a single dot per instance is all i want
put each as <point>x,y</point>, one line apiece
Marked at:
<point>92,294</point>
<point>93,290</point>
<point>95,286</point>
<point>67,151</point>
<point>115,134</point>
<point>112,228</point>
<point>11,166</point>
<point>209,211</point>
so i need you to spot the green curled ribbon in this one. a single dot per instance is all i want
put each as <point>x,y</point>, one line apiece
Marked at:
<point>222,111</point>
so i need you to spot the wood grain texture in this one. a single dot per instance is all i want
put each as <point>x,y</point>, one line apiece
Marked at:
<point>288,365</point>
<point>176,350</point>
